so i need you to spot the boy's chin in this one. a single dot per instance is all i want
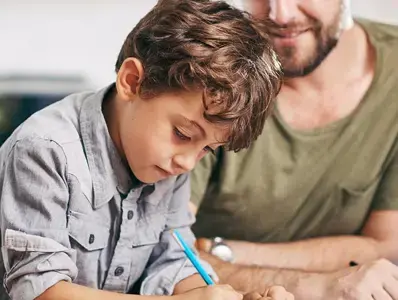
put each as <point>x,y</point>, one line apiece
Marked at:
<point>151,177</point>
<point>145,179</point>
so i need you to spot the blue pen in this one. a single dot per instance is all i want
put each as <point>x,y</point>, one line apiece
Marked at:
<point>192,257</point>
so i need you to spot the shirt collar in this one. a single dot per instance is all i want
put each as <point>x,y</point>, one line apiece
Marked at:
<point>109,173</point>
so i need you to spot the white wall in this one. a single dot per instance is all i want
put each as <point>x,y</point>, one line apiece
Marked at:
<point>84,36</point>
<point>66,36</point>
<point>381,10</point>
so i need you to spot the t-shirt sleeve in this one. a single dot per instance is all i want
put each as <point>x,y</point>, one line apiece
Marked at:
<point>387,193</point>
<point>200,177</point>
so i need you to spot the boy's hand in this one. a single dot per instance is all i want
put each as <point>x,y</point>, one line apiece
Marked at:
<point>273,293</point>
<point>212,292</point>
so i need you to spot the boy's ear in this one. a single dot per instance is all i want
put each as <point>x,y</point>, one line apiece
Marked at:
<point>129,78</point>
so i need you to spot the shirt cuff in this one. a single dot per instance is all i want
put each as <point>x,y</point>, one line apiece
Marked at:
<point>31,286</point>
<point>33,264</point>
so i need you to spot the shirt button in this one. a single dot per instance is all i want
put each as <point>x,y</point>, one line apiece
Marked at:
<point>119,271</point>
<point>91,239</point>
<point>130,214</point>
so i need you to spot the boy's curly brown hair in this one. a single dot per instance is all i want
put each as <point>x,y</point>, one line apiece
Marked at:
<point>213,47</point>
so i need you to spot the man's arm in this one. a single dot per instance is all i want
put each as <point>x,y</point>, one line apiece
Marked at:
<point>303,285</point>
<point>379,240</point>
<point>356,283</point>
<point>314,255</point>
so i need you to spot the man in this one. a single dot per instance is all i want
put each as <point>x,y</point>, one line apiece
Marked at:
<point>318,191</point>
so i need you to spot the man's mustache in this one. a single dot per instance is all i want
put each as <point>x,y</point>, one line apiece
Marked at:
<point>291,27</point>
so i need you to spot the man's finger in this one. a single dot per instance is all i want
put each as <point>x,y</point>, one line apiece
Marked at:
<point>391,287</point>
<point>381,294</point>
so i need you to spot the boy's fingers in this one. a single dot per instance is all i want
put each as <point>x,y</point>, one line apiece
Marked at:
<point>226,286</point>
<point>278,293</point>
<point>288,296</point>
<point>253,296</point>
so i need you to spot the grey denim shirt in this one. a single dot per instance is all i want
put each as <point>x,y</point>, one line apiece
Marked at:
<point>69,210</point>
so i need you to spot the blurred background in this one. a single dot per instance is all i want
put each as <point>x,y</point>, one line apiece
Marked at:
<point>51,48</point>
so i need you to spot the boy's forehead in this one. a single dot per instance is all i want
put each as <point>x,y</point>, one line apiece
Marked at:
<point>194,107</point>
<point>214,132</point>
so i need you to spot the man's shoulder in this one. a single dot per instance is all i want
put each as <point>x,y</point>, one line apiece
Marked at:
<point>384,38</point>
<point>380,32</point>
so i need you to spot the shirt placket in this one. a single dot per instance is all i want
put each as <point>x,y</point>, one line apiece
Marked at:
<point>120,267</point>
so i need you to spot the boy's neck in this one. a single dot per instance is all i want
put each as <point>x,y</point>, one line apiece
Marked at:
<point>110,112</point>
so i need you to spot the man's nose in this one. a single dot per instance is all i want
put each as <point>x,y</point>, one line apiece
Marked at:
<point>282,11</point>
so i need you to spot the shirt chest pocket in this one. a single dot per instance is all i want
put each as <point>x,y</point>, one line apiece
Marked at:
<point>351,207</point>
<point>90,240</point>
<point>88,234</point>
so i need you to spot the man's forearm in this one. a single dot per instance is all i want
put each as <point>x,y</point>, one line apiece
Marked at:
<point>304,285</point>
<point>313,255</point>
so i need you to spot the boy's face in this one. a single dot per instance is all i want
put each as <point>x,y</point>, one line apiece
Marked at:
<point>166,135</point>
<point>303,32</point>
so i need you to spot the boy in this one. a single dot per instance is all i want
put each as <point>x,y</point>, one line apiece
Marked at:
<point>92,186</point>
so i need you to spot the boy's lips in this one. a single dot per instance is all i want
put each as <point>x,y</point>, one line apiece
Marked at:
<point>165,172</point>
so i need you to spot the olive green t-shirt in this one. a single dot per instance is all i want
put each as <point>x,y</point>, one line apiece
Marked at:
<point>295,184</point>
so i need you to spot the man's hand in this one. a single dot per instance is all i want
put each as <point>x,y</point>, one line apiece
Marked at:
<point>377,280</point>
<point>273,293</point>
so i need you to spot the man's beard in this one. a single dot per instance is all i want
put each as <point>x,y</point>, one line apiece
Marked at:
<point>301,69</point>
<point>297,64</point>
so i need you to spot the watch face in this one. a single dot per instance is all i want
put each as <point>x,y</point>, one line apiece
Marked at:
<point>223,252</point>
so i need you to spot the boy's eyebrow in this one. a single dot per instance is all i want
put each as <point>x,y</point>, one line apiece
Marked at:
<point>193,123</point>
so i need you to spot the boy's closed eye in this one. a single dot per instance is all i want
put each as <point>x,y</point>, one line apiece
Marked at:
<point>186,138</point>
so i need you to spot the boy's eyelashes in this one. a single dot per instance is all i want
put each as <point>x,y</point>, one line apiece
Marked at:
<point>181,136</point>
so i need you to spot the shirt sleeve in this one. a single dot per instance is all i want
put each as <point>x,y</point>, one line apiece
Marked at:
<point>387,192</point>
<point>168,264</point>
<point>200,177</point>
<point>34,196</point>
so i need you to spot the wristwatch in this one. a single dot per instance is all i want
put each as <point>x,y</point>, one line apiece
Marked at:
<point>220,249</point>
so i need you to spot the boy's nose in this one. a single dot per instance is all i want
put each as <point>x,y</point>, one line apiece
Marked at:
<point>282,11</point>
<point>185,162</point>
